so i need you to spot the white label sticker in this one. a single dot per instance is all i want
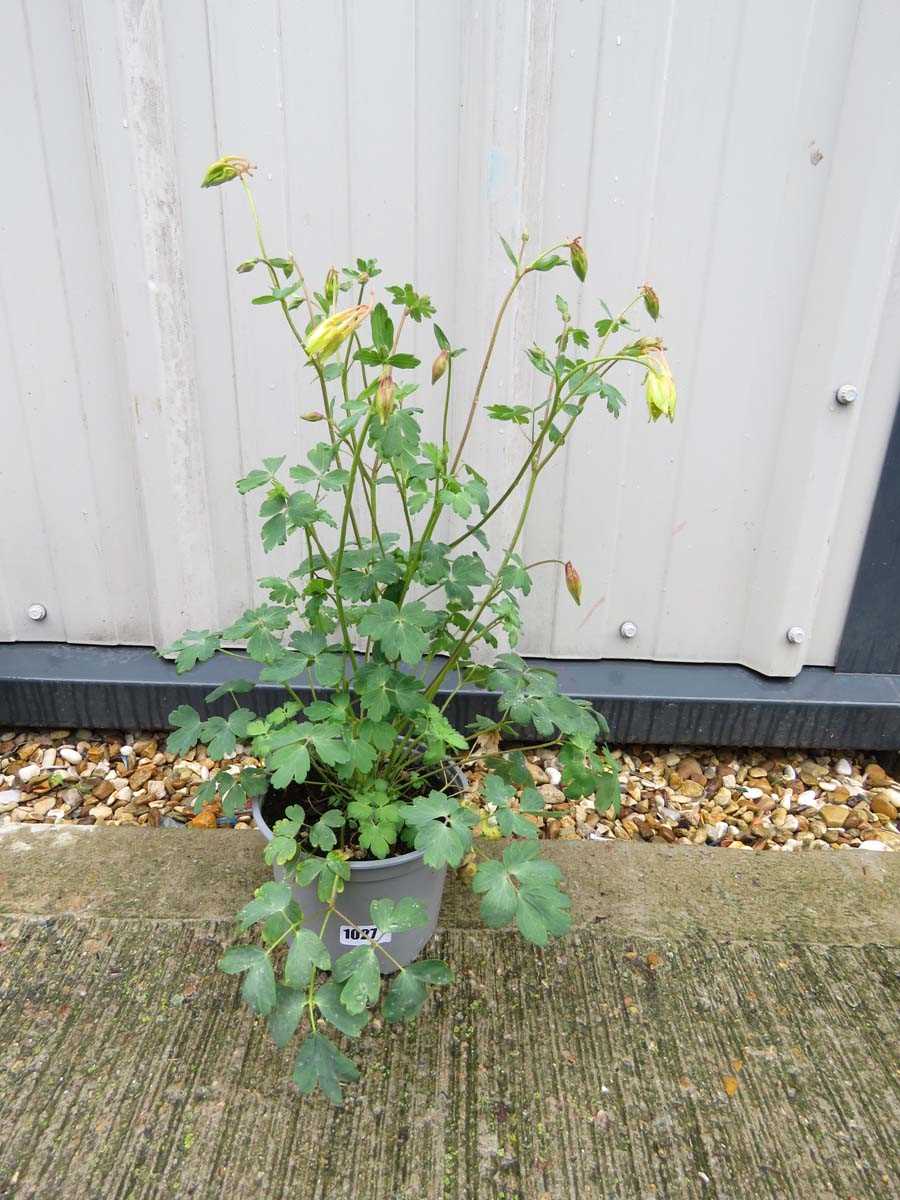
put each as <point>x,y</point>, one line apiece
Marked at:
<point>351,936</point>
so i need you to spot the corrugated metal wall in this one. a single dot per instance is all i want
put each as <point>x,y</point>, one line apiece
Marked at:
<point>740,154</point>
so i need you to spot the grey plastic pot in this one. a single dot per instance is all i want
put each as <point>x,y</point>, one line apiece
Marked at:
<point>393,878</point>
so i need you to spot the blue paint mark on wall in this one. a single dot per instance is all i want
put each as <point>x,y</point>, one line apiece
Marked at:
<point>495,171</point>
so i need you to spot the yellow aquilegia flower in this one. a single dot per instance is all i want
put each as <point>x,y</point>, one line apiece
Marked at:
<point>659,388</point>
<point>322,342</point>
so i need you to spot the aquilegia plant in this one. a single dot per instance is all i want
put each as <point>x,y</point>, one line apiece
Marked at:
<point>383,626</point>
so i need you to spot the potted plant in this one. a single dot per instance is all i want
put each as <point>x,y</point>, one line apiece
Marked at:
<point>359,793</point>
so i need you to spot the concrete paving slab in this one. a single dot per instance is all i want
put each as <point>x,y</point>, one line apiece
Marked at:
<point>712,1028</point>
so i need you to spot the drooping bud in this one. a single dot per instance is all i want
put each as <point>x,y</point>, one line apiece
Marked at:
<point>439,366</point>
<point>331,287</point>
<point>223,170</point>
<point>644,345</point>
<point>651,301</point>
<point>659,388</point>
<point>312,416</point>
<point>573,583</point>
<point>248,265</point>
<point>578,258</point>
<point>384,398</point>
<point>322,342</point>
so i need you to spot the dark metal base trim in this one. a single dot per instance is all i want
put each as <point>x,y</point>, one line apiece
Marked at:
<point>121,687</point>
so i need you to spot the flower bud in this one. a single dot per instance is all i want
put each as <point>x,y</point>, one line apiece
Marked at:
<point>651,301</point>
<point>644,345</point>
<point>331,287</point>
<point>322,342</point>
<point>439,366</point>
<point>578,258</point>
<point>312,416</point>
<point>659,388</point>
<point>223,170</point>
<point>384,398</point>
<point>244,267</point>
<point>573,583</point>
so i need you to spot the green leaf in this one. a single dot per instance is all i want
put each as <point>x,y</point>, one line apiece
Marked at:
<point>219,737</point>
<point>442,845</point>
<point>269,898</point>
<point>320,1063</point>
<point>382,328</point>
<point>328,1000</point>
<point>329,669</point>
<point>531,801</point>
<point>258,989</point>
<point>498,905</point>
<point>254,479</point>
<point>187,729</point>
<point>308,870</point>
<point>274,531</point>
<point>408,991</point>
<point>359,973</point>
<point>307,953</point>
<point>290,764</point>
<point>510,253</point>
<point>321,835</point>
<point>399,631</point>
<point>404,362</point>
<point>194,646</point>
<point>280,850</point>
<point>547,262</point>
<point>524,888</point>
<point>233,686</point>
<point>440,337</point>
<point>615,401</point>
<point>285,1016</point>
<point>397,917</point>
<point>405,997</point>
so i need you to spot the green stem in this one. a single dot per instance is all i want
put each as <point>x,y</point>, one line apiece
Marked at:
<point>473,407</point>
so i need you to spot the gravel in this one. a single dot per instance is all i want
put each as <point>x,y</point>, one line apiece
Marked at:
<point>751,799</point>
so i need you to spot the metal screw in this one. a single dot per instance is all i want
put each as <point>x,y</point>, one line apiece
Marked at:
<point>796,636</point>
<point>628,629</point>
<point>847,394</point>
<point>37,612</point>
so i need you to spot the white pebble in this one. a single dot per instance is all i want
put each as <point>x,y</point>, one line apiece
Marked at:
<point>788,772</point>
<point>843,767</point>
<point>69,755</point>
<point>124,794</point>
<point>752,793</point>
<point>126,751</point>
<point>873,845</point>
<point>11,796</point>
<point>808,799</point>
<point>791,844</point>
<point>554,776</point>
<point>29,772</point>
<point>48,759</point>
<point>715,832</point>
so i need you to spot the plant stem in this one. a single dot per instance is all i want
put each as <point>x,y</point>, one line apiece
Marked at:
<point>387,954</point>
<point>473,407</point>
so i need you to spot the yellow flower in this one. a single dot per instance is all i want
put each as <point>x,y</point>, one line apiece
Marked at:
<point>322,342</point>
<point>439,366</point>
<point>659,388</point>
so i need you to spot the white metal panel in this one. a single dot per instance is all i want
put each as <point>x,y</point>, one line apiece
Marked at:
<point>740,156</point>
